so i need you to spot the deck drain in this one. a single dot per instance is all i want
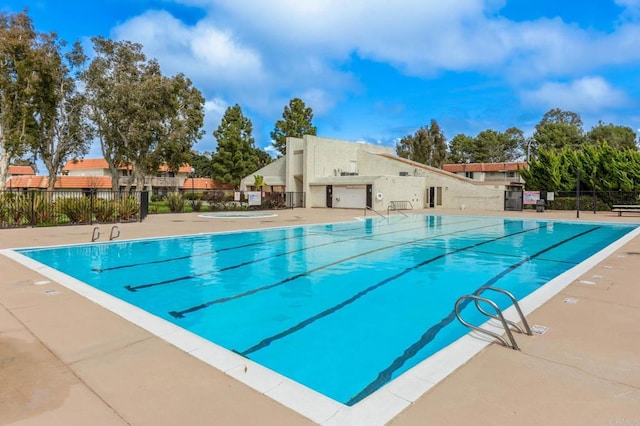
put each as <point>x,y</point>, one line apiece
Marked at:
<point>52,292</point>
<point>597,277</point>
<point>570,301</point>
<point>587,282</point>
<point>539,329</point>
<point>42,282</point>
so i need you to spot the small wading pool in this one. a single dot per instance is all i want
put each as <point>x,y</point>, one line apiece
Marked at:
<point>236,215</point>
<point>343,310</point>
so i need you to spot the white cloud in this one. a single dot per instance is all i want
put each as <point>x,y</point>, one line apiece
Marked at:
<point>201,51</point>
<point>260,54</point>
<point>588,94</point>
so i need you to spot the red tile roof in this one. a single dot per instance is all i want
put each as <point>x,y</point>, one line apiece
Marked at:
<point>484,167</point>
<point>204,184</point>
<point>21,170</point>
<point>62,182</point>
<point>101,164</point>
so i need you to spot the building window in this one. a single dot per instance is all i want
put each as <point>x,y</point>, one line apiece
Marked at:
<point>468,175</point>
<point>511,174</point>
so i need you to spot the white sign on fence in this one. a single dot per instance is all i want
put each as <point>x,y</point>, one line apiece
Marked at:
<point>255,198</point>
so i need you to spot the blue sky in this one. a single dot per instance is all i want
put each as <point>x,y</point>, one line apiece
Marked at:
<point>374,70</point>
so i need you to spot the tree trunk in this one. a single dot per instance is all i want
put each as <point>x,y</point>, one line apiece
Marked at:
<point>51,169</point>
<point>4,165</point>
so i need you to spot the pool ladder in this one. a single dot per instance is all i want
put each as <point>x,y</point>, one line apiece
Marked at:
<point>115,233</point>
<point>525,329</point>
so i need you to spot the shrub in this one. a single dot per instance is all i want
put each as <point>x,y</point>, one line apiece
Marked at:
<point>197,205</point>
<point>175,200</point>
<point>128,207</point>
<point>274,200</point>
<point>42,211</point>
<point>77,209</point>
<point>104,210</point>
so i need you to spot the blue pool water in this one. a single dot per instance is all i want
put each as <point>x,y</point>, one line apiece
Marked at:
<point>341,308</point>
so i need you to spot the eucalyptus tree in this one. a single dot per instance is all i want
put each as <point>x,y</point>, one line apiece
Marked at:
<point>296,122</point>
<point>141,117</point>
<point>236,156</point>
<point>18,41</point>
<point>62,129</point>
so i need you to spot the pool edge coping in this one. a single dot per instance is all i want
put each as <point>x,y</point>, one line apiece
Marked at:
<point>379,407</point>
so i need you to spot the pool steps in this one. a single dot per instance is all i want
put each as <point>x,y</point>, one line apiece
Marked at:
<point>525,329</point>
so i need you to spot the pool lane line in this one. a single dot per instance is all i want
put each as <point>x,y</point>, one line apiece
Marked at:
<point>180,314</point>
<point>267,341</point>
<point>134,288</point>
<point>172,259</point>
<point>385,375</point>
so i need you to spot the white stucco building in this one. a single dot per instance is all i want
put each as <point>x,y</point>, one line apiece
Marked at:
<point>331,173</point>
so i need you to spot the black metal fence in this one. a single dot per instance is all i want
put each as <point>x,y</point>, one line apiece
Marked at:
<point>584,200</point>
<point>52,208</point>
<point>224,200</point>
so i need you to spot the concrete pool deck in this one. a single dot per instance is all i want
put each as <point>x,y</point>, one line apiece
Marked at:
<point>65,360</point>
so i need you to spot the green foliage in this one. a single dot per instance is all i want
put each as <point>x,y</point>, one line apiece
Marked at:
<point>128,208</point>
<point>104,210</point>
<point>296,122</point>
<point>77,209</point>
<point>258,181</point>
<point>39,209</point>
<point>13,209</point>
<point>196,205</point>
<point>202,164</point>
<point>619,137</point>
<point>19,51</point>
<point>61,127</point>
<point>235,155</point>
<point>427,146</point>
<point>601,166</point>
<point>175,200</point>
<point>558,129</point>
<point>489,146</point>
<point>142,117</point>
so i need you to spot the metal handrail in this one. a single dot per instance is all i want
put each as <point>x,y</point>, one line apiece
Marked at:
<point>392,206</point>
<point>499,315</point>
<point>394,209</point>
<point>96,234</point>
<point>527,329</point>
<point>112,235</point>
<point>376,211</point>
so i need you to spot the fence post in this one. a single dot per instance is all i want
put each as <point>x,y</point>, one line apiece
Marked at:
<point>578,193</point>
<point>144,204</point>
<point>33,209</point>
<point>91,207</point>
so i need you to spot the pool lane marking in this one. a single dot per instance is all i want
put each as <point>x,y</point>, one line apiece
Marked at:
<point>171,259</point>
<point>385,375</point>
<point>180,314</point>
<point>267,341</point>
<point>134,288</point>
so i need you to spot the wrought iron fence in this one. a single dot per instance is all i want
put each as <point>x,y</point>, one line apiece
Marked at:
<point>224,200</point>
<point>586,200</point>
<point>52,208</point>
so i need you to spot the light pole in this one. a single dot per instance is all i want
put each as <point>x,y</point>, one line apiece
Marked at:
<point>193,189</point>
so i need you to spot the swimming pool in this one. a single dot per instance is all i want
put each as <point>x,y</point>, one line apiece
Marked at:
<point>342,308</point>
